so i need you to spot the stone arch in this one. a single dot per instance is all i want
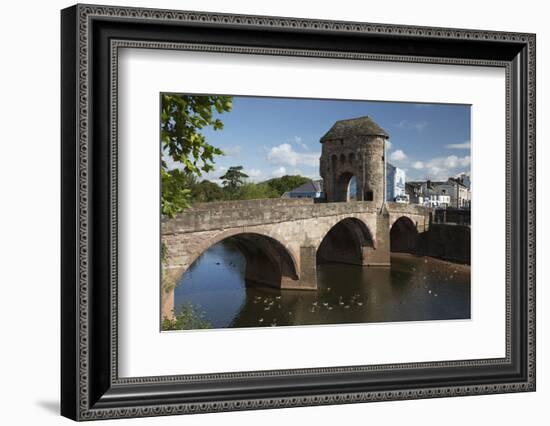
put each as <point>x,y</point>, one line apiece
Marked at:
<point>420,221</point>
<point>403,235</point>
<point>343,187</point>
<point>345,242</point>
<point>268,261</point>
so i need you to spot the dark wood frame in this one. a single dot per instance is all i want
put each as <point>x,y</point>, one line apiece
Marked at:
<point>90,386</point>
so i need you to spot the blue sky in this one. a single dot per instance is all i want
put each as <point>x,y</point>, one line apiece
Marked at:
<point>271,137</point>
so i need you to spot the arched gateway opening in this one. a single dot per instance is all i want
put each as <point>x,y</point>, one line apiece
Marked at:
<point>344,243</point>
<point>403,235</point>
<point>346,187</point>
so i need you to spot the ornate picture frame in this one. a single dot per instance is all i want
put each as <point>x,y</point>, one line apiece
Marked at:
<point>91,38</point>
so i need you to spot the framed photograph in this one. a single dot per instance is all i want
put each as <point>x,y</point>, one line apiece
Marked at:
<point>263,212</point>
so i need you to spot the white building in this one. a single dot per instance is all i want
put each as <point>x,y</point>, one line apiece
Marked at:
<point>442,194</point>
<point>395,184</point>
<point>459,193</point>
<point>435,200</point>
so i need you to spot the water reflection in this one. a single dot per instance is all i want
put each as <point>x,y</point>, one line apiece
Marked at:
<point>413,289</point>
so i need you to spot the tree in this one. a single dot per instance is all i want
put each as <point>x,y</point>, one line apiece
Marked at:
<point>182,118</point>
<point>177,187</point>
<point>206,192</point>
<point>188,318</point>
<point>254,191</point>
<point>233,178</point>
<point>287,183</point>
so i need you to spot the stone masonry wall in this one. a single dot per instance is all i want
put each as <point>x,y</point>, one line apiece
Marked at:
<point>299,226</point>
<point>360,156</point>
<point>235,214</point>
<point>446,241</point>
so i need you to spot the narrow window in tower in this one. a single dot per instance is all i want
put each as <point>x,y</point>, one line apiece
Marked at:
<point>369,196</point>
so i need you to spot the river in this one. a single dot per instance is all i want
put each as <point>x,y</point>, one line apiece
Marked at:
<point>414,288</point>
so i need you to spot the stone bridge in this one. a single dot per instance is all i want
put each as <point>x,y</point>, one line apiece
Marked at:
<point>283,239</point>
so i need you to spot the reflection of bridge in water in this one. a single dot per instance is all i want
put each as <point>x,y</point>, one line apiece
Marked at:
<point>283,239</point>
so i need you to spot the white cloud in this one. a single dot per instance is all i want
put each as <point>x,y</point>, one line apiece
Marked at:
<point>281,171</point>
<point>441,168</point>
<point>298,141</point>
<point>453,161</point>
<point>311,175</point>
<point>253,173</point>
<point>398,155</point>
<point>285,154</point>
<point>420,126</point>
<point>436,173</point>
<point>232,150</point>
<point>465,145</point>
<point>388,144</point>
<point>412,125</point>
<point>450,162</point>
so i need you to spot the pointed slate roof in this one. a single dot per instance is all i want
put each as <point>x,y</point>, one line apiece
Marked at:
<point>311,186</point>
<point>364,126</point>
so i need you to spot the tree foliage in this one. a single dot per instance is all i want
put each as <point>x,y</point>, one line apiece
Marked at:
<point>176,191</point>
<point>254,191</point>
<point>188,318</point>
<point>286,183</point>
<point>181,121</point>
<point>206,192</point>
<point>233,178</point>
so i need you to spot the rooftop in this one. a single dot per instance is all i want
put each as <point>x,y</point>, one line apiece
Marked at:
<point>363,126</point>
<point>311,186</point>
<point>457,181</point>
<point>433,183</point>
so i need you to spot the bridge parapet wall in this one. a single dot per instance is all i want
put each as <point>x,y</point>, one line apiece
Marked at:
<point>261,203</point>
<point>408,208</point>
<point>257,212</point>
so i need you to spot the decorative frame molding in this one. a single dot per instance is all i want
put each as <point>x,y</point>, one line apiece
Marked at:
<point>91,37</point>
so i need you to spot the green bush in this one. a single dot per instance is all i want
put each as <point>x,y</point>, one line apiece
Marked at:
<point>187,319</point>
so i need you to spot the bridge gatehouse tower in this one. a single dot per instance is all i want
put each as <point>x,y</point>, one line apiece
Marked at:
<point>352,161</point>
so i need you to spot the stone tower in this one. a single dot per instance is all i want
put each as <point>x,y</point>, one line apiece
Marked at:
<point>354,148</point>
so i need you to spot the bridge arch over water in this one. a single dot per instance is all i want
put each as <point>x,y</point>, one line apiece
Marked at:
<point>282,238</point>
<point>262,252</point>
<point>346,242</point>
<point>268,261</point>
<point>403,235</point>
